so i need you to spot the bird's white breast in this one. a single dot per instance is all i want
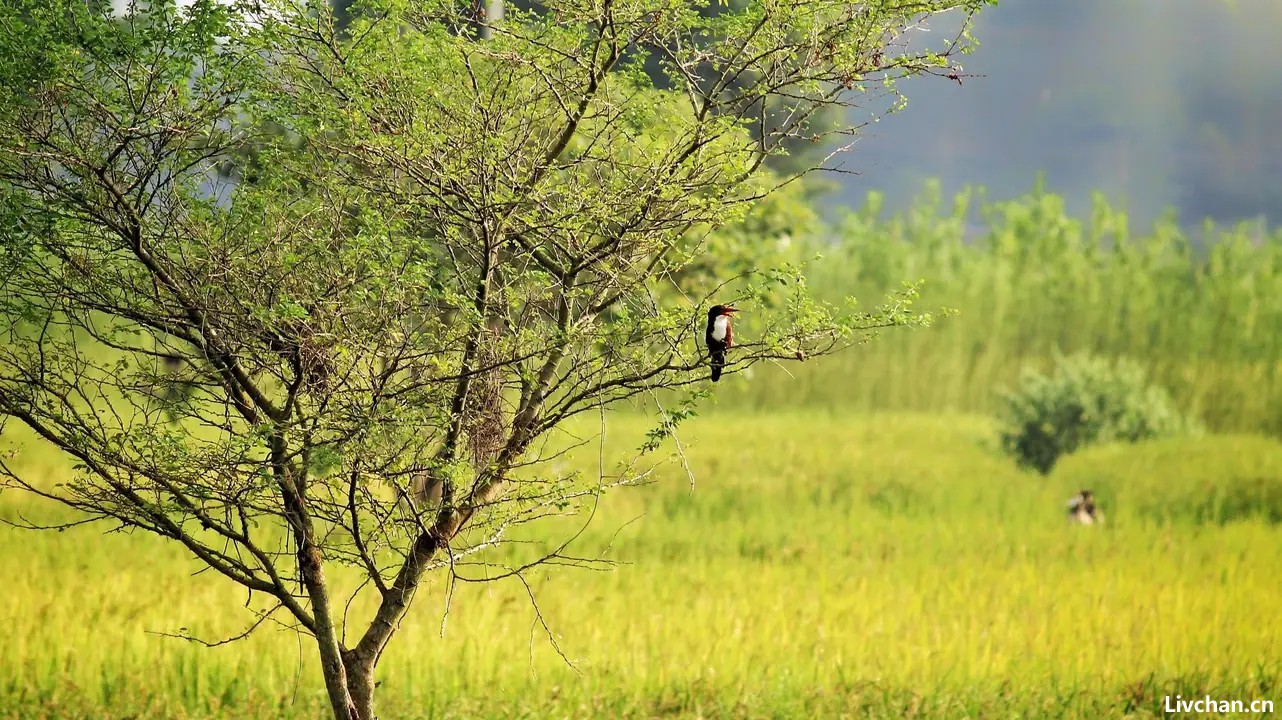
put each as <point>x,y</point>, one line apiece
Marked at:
<point>719,328</point>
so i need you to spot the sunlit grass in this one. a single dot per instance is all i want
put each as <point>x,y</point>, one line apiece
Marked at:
<point>887,566</point>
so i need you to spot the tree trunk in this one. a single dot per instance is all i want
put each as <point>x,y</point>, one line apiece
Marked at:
<point>311,569</point>
<point>360,685</point>
<point>333,666</point>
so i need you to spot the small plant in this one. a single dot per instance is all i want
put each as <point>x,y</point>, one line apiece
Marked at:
<point>1088,400</point>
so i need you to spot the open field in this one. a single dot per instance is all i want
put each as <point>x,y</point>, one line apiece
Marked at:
<point>822,566</point>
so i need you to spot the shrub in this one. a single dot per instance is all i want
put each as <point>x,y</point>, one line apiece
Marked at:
<point>1087,400</point>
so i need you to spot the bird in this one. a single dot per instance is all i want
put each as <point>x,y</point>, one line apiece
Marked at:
<point>1082,510</point>
<point>719,336</point>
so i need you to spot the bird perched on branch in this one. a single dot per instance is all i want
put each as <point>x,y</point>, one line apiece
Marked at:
<point>719,336</point>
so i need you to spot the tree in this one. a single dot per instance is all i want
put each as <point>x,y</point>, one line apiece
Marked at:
<point>311,303</point>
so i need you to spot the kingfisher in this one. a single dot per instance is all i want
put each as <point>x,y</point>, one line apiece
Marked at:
<point>719,336</point>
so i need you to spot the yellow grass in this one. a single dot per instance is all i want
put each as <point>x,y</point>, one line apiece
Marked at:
<point>822,566</point>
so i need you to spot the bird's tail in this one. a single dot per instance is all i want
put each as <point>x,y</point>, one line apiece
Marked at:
<point>718,362</point>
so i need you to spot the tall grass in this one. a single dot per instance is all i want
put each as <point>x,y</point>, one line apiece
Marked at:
<point>1202,313</point>
<point>893,566</point>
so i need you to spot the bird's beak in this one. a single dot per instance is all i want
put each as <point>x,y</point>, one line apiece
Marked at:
<point>730,310</point>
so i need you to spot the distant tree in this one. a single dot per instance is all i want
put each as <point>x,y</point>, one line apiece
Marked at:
<point>1088,400</point>
<point>310,303</point>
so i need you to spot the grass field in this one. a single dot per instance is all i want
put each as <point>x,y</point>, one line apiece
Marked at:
<point>889,566</point>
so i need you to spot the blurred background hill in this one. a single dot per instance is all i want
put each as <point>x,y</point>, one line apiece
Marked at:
<point>1158,103</point>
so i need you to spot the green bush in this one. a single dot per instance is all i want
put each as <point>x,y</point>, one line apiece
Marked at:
<point>1087,400</point>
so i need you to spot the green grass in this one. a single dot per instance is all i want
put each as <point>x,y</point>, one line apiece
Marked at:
<point>1199,311</point>
<point>822,566</point>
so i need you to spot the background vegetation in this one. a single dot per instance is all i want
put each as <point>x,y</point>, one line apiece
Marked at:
<point>819,559</point>
<point>1200,313</point>
<point>844,537</point>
